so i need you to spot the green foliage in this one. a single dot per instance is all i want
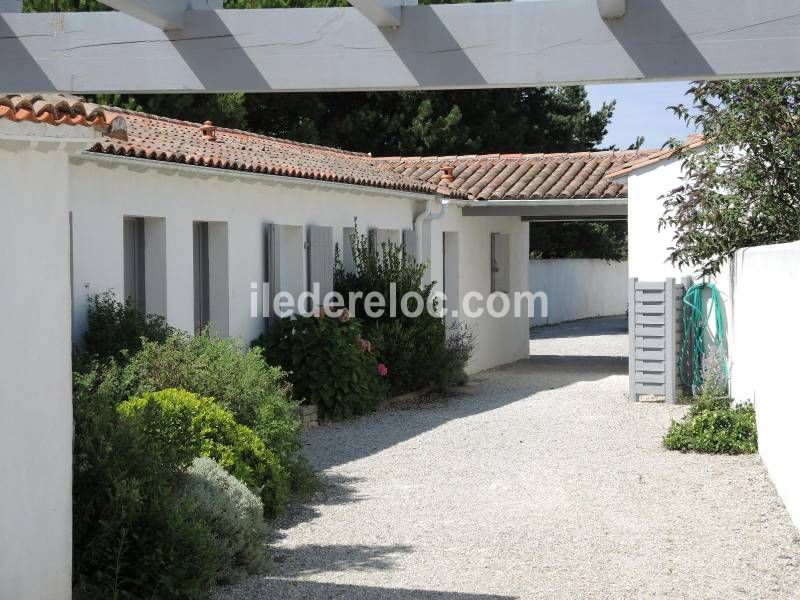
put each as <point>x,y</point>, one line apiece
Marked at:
<point>238,379</point>
<point>180,421</point>
<point>233,514</point>
<point>132,538</point>
<point>605,240</point>
<point>326,364</point>
<point>743,188</point>
<point>116,329</point>
<point>224,369</point>
<point>714,425</point>
<point>415,349</point>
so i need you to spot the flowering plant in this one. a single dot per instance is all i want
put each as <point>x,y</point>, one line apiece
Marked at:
<point>383,371</point>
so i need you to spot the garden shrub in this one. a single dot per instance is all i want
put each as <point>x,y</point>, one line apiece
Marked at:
<point>327,363</point>
<point>233,514</point>
<point>238,379</point>
<point>714,425</point>
<point>185,422</point>
<point>419,351</point>
<point>132,537</point>
<point>116,329</point>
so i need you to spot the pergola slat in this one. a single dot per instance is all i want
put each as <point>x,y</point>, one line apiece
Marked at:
<point>488,45</point>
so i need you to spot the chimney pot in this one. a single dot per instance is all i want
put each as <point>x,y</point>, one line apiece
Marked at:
<point>447,174</point>
<point>209,131</point>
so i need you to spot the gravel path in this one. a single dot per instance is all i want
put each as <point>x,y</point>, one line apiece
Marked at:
<point>540,480</point>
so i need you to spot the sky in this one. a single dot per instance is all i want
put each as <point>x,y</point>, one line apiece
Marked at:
<point>641,110</point>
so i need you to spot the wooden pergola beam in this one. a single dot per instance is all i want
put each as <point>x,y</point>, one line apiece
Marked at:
<point>448,46</point>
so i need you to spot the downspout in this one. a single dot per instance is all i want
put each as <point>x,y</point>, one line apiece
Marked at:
<point>428,215</point>
<point>424,217</point>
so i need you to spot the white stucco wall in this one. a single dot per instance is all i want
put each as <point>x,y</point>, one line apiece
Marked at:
<point>35,375</point>
<point>102,193</point>
<point>579,288</point>
<point>648,248</point>
<point>499,340</point>
<point>761,287</point>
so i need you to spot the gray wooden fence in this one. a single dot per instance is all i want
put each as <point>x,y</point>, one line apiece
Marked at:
<point>655,330</point>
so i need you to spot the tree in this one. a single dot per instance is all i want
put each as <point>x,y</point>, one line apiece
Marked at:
<point>743,187</point>
<point>606,240</point>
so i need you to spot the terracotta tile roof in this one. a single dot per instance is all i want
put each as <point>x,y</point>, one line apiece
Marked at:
<point>170,140</point>
<point>692,142</point>
<point>60,109</point>
<point>578,175</point>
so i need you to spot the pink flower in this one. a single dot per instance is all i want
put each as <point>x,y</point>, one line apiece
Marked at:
<point>345,316</point>
<point>383,371</point>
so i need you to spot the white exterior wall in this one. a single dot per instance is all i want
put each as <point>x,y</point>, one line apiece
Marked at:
<point>100,196</point>
<point>578,288</point>
<point>35,376</point>
<point>102,193</point>
<point>648,248</point>
<point>499,340</point>
<point>760,290</point>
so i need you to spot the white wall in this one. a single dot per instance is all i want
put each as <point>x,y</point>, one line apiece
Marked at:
<point>762,287</point>
<point>578,288</point>
<point>499,340</point>
<point>35,375</point>
<point>100,196</point>
<point>101,193</point>
<point>648,248</point>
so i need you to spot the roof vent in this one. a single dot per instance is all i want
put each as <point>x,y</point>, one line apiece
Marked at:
<point>447,174</point>
<point>209,131</point>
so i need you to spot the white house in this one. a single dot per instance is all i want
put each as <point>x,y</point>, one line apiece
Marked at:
<point>759,288</point>
<point>185,218</point>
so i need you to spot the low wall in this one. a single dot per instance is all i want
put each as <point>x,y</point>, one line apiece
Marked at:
<point>763,287</point>
<point>578,288</point>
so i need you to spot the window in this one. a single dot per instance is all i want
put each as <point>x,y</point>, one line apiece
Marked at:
<point>500,263</point>
<point>211,289</point>
<point>133,241</point>
<point>450,275</point>
<point>144,263</point>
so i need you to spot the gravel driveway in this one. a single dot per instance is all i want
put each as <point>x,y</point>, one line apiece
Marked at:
<point>539,480</point>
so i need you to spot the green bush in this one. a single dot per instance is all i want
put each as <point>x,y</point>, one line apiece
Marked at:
<point>419,351</point>
<point>179,421</point>
<point>714,425</point>
<point>238,379</point>
<point>116,329</point>
<point>132,538</point>
<point>326,363</point>
<point>234,516</point>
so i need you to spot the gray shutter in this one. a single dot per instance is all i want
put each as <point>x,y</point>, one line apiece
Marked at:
<point>655,332</point>
<point>348,263</point>
<point>320,259</point>
<point>379,237</point>
<point>501,277</point>
<point>410,243</point>
<point>285,261</point>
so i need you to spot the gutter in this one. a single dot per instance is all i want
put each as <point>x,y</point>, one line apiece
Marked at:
<point>571,202</point>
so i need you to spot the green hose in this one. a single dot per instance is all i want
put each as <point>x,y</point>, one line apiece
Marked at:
<point>695,325</point>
